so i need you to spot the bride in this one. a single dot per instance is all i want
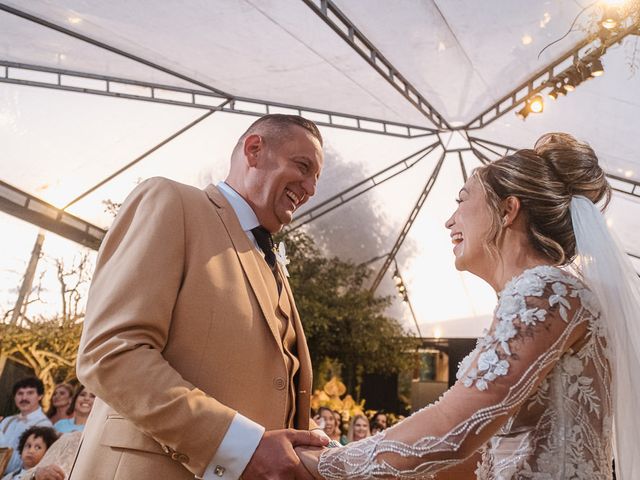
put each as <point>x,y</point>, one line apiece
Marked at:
<point>537,395</point>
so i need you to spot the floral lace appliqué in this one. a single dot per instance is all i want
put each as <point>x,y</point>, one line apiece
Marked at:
<point>493,359</point>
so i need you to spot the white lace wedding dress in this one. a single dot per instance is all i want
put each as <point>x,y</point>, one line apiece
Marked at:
<point>533,396</point>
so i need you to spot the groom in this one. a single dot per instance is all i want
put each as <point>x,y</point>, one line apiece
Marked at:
<point>192,341</point>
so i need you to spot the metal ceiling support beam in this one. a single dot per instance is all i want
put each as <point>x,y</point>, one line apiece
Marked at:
<point>618,184</point>
<point>110,48</point>
<point>138,159</point>
<point>480,156</point>
<point>345,28</point>
<point>540,80</point>
<point>361,187</point>
<point>38,212</point>
<point>624,185</point>
<point>103,85</point>
<point>408,224</point>
<point>487,144</point>
<point>463,169</point>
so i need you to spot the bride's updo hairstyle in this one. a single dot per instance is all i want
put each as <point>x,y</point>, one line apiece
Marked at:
<point>544,180</point>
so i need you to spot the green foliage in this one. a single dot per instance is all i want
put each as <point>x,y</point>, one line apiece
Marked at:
<point>342,319</point>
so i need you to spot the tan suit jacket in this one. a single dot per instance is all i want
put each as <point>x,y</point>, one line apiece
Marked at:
<point>180,333</point>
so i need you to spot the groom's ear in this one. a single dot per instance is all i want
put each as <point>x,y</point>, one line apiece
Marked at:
<point>510,210</point>
<point>252,147</point>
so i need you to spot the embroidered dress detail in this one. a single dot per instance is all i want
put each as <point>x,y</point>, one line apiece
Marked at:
<point>533,397</point>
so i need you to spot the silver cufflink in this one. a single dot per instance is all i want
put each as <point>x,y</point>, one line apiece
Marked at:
<point>219,470</point>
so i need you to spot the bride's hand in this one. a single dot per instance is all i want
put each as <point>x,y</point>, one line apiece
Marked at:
<point>310,457</point>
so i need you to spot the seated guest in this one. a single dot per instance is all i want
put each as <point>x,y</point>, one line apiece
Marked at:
<point>338,435</point>
<point>380,418</point>
<point>328,420</point>
<point>27,394</point>
<point>79,410</point>
<point>60,402</point>
<point>376,428</point>
<point>358,428</point>
<point>33,444</point>
<point>58,460</point>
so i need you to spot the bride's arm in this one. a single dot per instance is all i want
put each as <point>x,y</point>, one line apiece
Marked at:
<point>529,334</point>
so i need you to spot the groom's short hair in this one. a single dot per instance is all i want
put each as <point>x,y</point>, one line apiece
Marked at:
<point>276,127</point>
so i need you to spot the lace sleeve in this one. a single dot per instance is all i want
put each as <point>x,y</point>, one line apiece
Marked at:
<point>538,317</point>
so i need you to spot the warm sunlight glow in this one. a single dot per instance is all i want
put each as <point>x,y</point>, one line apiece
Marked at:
<point>437,332</point>
<point>527,39</point>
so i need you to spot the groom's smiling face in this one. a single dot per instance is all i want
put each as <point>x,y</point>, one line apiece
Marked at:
<point>285,174</point>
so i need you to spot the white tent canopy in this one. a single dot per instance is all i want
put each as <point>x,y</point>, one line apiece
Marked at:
<point>88,87</point>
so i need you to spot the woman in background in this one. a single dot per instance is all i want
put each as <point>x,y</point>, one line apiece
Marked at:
<point>358,428</point>
<point>79,411</point>
<point>60,402</point>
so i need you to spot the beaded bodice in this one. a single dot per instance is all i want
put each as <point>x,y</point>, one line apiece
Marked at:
<point>533,397</point>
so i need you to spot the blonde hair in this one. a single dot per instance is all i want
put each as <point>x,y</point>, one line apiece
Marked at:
<point>544,180</point>
<point>352,425</point>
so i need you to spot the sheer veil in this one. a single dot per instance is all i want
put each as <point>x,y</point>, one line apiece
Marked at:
<point>611,277</point>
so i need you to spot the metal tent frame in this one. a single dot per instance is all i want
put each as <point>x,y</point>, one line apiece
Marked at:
<point>209,98</point>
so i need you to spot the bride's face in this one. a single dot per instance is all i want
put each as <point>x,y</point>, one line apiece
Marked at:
<point>469,226</point>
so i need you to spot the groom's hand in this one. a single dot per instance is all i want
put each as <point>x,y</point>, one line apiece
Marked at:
<point>275,457</point>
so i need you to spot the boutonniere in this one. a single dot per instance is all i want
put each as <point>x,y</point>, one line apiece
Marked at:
<point>281,257</point>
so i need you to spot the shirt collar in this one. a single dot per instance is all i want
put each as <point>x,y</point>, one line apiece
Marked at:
<point>244,212</point>
<point>33,415</point>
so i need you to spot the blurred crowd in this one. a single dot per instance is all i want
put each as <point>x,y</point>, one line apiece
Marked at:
<point>345,428</point>
<point>38,445</point>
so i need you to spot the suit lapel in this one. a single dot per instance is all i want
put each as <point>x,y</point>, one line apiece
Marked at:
<point>246,254</point>
<point>305,378</point>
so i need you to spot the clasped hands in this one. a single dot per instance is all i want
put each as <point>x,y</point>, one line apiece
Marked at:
<point>287,454</point>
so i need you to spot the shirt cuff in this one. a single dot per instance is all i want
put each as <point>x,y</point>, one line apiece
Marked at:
<point>235,451</point>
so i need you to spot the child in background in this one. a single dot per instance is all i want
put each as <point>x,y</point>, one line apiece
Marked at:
<point>33,444</point>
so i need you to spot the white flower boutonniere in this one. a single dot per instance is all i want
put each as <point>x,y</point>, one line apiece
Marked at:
<point>281,257</point>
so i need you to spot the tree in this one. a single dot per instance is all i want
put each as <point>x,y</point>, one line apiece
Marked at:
<point>342,319</point>
<point>49,346</point>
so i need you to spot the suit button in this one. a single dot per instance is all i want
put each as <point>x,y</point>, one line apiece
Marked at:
<point>182,458</point>
<point>179,457</point>
<point>279,383</point>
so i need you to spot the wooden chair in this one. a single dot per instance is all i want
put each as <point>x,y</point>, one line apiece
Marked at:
<point>5,456</point>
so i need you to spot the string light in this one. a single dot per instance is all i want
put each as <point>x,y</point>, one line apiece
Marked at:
<point>400,287</point>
